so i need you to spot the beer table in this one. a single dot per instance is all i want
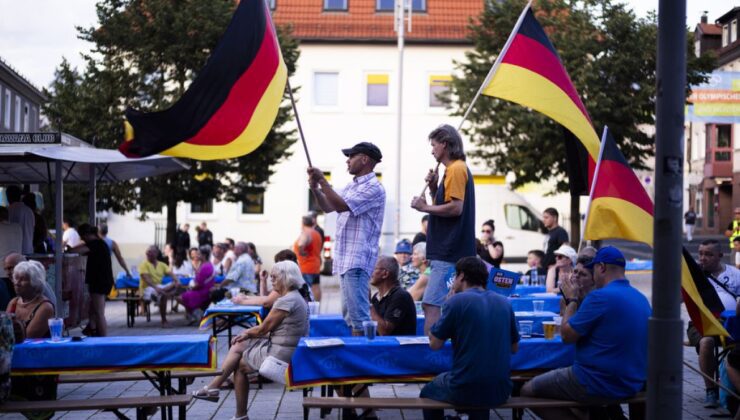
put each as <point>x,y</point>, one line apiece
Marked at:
<point>225,315</point>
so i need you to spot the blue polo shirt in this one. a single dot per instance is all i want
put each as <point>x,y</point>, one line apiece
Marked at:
<point>611,354</point>
<point>482,327</point>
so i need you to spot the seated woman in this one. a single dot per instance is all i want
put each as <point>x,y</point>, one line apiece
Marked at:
<point>565,259</point>
<point>419,260</point>
<point>32,311</point>
<point>277,336</point>
<point>195,299</point>
<point>180,266</point>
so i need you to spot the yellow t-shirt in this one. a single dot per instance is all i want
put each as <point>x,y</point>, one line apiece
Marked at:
<point>156,273</point>
<point>456,176</point>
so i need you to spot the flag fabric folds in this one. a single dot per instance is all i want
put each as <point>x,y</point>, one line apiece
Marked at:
<point>620,208</point>
<point>231,105</point>
<point>531,74</point>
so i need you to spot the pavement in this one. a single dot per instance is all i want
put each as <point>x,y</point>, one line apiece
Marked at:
<point>274,402</point>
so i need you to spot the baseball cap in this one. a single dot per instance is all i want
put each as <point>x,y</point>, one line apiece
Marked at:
<point>366,148</point>
<point>608,255</point>
<point>567,251</point>
<point>403,247</point>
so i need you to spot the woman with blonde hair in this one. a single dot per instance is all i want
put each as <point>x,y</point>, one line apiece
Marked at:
<point>276,336</point>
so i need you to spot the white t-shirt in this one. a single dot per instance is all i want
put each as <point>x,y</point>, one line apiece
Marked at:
<point>71,237</point>
<point>730,278</point>
<point>185,270</point>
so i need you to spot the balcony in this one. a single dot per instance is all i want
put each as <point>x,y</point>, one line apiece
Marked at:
<point>718,168</point>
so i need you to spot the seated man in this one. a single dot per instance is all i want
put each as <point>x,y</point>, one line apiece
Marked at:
<point>152,271</point>
<point>392,307</point>
<point>241,273</point>
<point>483,330</point>
<point>610,332</point>
<point>726,281</point>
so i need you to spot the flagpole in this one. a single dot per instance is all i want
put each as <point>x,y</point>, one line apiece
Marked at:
<point>593,186</point>
<point>298,121</point>
<point>489,76</point>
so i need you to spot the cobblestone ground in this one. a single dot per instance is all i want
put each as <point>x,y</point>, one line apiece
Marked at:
<point>274,402</point>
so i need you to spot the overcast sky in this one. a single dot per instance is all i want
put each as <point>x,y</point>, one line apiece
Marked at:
<point>36,34</point>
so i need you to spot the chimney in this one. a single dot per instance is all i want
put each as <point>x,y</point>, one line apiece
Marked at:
<point>704,18</point>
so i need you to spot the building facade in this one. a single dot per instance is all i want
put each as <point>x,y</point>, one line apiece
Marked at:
<point>20,102</point>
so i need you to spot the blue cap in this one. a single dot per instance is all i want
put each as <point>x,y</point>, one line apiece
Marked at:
<point>403,247</point>
<point>608,255</point>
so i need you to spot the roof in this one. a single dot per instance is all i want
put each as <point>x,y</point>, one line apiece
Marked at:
<point>444,21</point>
<point>22,80</point>
<point>729,15</point>
<point>710,29</point>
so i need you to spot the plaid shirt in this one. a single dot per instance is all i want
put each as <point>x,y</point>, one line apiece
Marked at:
<point>358,230</point>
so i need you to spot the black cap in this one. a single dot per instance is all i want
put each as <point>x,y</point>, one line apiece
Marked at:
<point>365,148</point>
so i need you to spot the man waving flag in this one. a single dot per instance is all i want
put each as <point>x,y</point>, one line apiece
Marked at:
<point>231,105</point>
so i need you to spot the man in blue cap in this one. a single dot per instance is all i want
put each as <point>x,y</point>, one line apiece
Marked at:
<point>609,330</point>
<point>360,206</point>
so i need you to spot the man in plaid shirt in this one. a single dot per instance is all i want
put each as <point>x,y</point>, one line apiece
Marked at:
<point>360,206</point>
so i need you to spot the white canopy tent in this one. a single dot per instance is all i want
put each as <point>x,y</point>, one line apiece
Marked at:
<point>26,162</point>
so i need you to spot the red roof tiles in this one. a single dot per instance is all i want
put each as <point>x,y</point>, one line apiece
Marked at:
<point>710,28</point>
<point>443,21</point>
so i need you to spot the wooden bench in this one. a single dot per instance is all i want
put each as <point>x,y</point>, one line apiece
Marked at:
<point>516,404</point>
<point>96,404</point>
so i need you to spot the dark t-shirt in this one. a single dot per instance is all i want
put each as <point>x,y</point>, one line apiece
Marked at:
<point>420,237</point>
<point>557,237</point>
<point>483,253</point>
<point>98,272</point>
<point>205,237</point>
<point>183,240</point>
<point>398,308</point>
<point>451,238</point>
<point>482,327</point>
<point>690,217</point>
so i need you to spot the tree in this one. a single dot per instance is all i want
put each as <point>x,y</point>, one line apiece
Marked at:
<point>610,56</point>
<point>146,53</point>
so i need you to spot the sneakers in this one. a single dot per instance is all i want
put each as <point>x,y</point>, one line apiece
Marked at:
<point>712,398</point>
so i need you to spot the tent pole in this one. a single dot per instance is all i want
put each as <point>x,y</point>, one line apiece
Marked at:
<point>92,197</point>
<point>58,251</point>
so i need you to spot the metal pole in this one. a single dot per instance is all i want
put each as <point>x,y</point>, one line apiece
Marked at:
<point>665,350</point>
<point>58,251</point>
<point>298,121</point>
<point>91,198</point>
<point>399,117</point>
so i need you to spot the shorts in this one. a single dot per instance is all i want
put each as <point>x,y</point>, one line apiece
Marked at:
<point>562,384</point>
<point>151,294</point>
<point>312,279</point>
<point>439,282</point>
<point>695,337</point>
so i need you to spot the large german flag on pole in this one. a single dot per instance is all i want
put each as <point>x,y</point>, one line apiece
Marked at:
<point>231,105</point>
<point>529,72</point>
<point>620,208</point>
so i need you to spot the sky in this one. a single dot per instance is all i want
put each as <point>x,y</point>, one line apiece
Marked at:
<point>36,34</point>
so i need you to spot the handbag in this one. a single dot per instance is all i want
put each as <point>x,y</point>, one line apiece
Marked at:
<point>274,369</point>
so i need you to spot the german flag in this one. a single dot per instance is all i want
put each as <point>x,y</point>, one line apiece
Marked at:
<point>231,105</point>
<point>620,208</point>
<point>529,72</point>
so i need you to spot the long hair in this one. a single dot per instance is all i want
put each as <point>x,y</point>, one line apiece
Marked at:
<point>447,134</point>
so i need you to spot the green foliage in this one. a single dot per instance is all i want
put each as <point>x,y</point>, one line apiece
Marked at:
<point>610,56</point>
<point>146,52</point>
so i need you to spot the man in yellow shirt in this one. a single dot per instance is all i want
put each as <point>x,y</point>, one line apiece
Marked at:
<point>151,272</point>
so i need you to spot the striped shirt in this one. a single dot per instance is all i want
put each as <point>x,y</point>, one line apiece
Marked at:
<point>358,230</point>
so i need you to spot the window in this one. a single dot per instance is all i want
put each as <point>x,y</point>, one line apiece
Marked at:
<point>26,119</point>
<point>254,203</point>
<point>723,151</point>
<point>390,5</point>
<point>439,87</point>
<point>725,35</point>
<point>7,108</point>
<point>377,90</point>
<point>521,218</point>
<point>733,31</point>
<point>325,88</point>
<point>17,126</point>
<point>204,206</point>
<point>334,5</point>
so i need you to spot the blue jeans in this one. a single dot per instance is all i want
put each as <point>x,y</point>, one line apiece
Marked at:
<point>355,287</point>
<point>439,390</point>
<point>438,287</point>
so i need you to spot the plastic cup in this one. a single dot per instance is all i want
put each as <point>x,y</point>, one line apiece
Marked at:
<point>548,327</point>
<point>313,308</point>
<point>56,325</point>
<point>525,328</point>
<point>538,305</point>
<point>419,308</point>
<point>370,328</point>
<point>235,291</point>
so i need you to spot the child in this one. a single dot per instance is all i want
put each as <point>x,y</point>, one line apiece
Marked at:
<point>536,273</point>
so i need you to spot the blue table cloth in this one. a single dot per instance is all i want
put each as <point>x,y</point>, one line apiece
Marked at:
<point>114,354</point>
<point>333,325</point>
<point>226,308</point>
<point>524,290</point>
<point>524,303</point>
<point>124,282</point>
<point>385,360</point>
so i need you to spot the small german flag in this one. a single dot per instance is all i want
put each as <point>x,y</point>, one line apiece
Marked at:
<point>231,105</point>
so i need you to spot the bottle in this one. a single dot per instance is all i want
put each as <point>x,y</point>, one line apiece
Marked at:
<point>535,278</point>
